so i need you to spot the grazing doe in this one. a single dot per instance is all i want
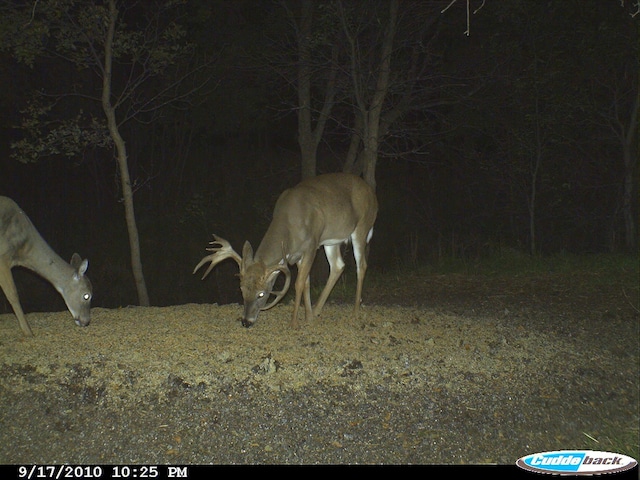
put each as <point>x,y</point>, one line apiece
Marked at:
<point>22,245</point>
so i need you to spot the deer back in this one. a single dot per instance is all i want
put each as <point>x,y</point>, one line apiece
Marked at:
<point>321,210</point>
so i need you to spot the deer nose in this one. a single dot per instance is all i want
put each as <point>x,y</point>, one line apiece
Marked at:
<point>82,322</point>
<point>247,323</point>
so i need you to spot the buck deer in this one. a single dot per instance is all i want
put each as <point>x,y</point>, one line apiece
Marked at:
<point>327,210</point>
<point>22,245</point>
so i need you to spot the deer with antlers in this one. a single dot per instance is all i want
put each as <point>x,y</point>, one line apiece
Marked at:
<point>328,210</point>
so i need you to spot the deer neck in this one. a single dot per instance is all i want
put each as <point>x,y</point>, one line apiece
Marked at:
<point>274,245</point>
<point>38,256</point>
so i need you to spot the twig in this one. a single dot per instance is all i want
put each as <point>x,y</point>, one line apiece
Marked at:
<point>468,30</point>
<point>629,300</point>
<point>33,12</point>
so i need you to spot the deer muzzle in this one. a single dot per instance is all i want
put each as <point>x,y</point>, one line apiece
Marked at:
<point>247,323</point>
<point>82,321</point>
<point>81,317</point>
<point>251,310</point>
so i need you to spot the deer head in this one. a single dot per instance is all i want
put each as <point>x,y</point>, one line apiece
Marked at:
<point>256,278</point>
<point>77,291</point>
<point>256,284</point>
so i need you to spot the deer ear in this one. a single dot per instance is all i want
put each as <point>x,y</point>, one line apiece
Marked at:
<point>247,254</point>
<point>75,260</point>
<point>80,266</point>
<point>83,267</point>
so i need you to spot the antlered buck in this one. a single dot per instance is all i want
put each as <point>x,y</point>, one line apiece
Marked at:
<point>327,210</point>
<point>22,245</point>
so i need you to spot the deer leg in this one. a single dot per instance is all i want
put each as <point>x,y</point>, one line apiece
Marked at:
<point>336,266</point>
<point>296,306</point>
<point>9,289</point>
<point>308,312</point>
<point>303,286</point>
<point>359,253</point>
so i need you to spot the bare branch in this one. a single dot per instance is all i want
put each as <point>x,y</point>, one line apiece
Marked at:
<point>467,32</point>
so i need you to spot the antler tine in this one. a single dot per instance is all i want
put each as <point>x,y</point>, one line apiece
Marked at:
<point>221,253</point>
<point>283,269</point>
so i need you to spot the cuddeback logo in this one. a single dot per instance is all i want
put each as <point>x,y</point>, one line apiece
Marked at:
<point>576,462</point>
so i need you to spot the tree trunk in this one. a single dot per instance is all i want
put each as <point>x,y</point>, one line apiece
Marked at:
<point>627,211</point>
<point>308,136</point>
<point>533,247</point>
<point>534,166</point>
<point>370,112</point>
<point>630,163</point>
<point>353,163</point>
<point>127,192</point>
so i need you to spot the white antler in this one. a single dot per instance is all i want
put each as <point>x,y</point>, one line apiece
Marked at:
<point>281,293</point>
<point>221,253</point>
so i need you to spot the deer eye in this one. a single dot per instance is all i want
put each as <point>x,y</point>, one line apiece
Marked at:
<point>260,294</point>
<point>86,297</point>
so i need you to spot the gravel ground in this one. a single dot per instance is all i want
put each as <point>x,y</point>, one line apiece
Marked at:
<point>486,371</point>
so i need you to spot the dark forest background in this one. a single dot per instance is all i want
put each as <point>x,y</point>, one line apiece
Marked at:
<point>516,131</point>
